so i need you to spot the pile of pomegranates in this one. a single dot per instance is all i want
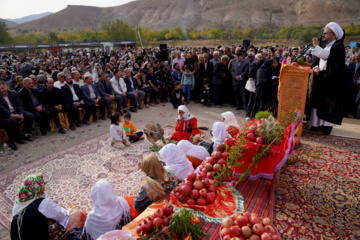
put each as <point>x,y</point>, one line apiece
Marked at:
<point>196,189</point>
<point>212,165</point>
<point>160,218</point>
<point>251,135</point>
<point>247,226</point>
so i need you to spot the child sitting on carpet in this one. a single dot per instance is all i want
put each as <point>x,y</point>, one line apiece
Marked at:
<point>177,96</point>
<point>130,129</point>
<point>229,119</point>
<point>219,134</point>
<point>117,133</point>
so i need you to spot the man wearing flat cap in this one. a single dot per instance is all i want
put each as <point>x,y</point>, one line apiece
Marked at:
<point>330,82</point>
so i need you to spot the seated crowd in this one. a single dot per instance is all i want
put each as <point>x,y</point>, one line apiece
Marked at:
<point>38,86</point>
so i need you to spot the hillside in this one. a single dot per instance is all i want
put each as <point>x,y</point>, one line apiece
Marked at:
<point>160,14</point>
<point>29,18</point>
<point>9,24</point>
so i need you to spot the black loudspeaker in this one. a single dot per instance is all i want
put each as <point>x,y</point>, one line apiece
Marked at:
<point>246,43</point>
<point>163,46</point>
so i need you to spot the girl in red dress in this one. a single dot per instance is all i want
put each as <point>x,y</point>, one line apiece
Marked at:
<point>186,125</point>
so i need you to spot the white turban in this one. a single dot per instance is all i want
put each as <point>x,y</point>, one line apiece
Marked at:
<point>336,29</point>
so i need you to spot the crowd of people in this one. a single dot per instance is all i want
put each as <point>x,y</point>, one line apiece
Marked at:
<point>37,86</point>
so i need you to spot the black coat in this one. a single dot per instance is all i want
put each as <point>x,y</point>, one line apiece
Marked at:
<point>52,98</point>
<point>68,96</point>
<point>263,81</point>
<point>208,73</point>
<point>329,91</point>
<point>128,84</point>
<point>15,102</point>
<point>219,71</point>
<point>27,101</point>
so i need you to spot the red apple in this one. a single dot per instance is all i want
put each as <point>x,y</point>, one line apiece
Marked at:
<point>259,140</point>
<point>210,160</point>
<point>203,192</point>
<point>208,167</point>
<point>216,154</point>
<point>211,188</point>
<point>198,185</point>
<point>195,194</point>
<point>251,136</point>
<point>206,183</point>
<point>191,176</point>
<point>210,198</point>
<point>216,167</point>
<point>252,128</point>
<point>186,190</point>
<point>191,201</point>
<point>225,155</point>
<point>220,147</point>
<point>201,201</point>
<point>221,161</point>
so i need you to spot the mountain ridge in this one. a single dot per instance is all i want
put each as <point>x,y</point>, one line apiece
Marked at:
<point>201,14</point>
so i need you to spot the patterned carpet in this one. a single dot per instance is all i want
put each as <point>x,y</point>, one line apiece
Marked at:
<point>320,199</point>
<point>316,199</point>
<point>70,174</point>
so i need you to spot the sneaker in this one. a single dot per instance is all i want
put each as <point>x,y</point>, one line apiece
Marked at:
<point>61,130</point>
<point>28,138</point>
<point>140,107</point>
<point>247,119</point>
<point>132,109</point>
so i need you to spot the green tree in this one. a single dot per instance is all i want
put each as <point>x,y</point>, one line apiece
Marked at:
<point>5,36</point>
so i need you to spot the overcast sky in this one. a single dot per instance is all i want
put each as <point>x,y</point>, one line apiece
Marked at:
<point>22,8</point>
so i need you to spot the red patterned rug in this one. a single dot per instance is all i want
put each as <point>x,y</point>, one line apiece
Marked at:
<point>320,198</point>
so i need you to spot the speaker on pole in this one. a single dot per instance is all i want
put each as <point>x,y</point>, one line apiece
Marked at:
<point>246,43</point>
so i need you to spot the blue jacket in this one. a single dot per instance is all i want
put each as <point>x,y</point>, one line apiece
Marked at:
<point>188,80</point>
<point>68,96</point>
<point>86,92</point>
<point>128,84</point>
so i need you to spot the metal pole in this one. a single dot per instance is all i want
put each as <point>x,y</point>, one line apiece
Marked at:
<point>140,39</point>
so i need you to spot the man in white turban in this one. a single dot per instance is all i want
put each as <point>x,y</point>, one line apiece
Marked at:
<point>330,82</point>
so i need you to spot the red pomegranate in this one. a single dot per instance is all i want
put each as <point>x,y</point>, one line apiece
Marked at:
<point>185,190</point>
<point>251,136</point>
<point>191,176</point>
<point>195,194</point>
<point>198,185</point>
<point>220,147</point>
<point>168,209</point>
<point>201,201</point>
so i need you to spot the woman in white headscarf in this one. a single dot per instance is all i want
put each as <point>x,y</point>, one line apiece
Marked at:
<point>109,212</point>
<point>176,161</point>
<point>195,154</point>
<point>186,125</point>
<point>219,135</point>
<point>230,122</point>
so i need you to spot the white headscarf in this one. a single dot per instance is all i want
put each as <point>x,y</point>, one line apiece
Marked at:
<point>193,150</point>
<point>230,119</point>
<point>187,116</point>
<point>176,161</point>
<point>336,29</point>
<point>219,132</point>
<point>108,210</point>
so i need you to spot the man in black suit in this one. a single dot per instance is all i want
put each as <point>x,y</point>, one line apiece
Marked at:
<point>73,100</point>
<point>33,102</point>
<point>220,73</point>
<point>205,73</point>
<point>239,74</point>
<point>12,112</point>
<point>107,95</point>
<point>53,98</point>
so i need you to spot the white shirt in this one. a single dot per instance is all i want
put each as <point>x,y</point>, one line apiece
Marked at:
<point>75,97</point>
<point>11,108</point>
<point>117,132</point>
<point>92,92</point>
<point>323,54</point>
<point>119,86</point>
<point>58,84</point>
<point>80,82</point>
